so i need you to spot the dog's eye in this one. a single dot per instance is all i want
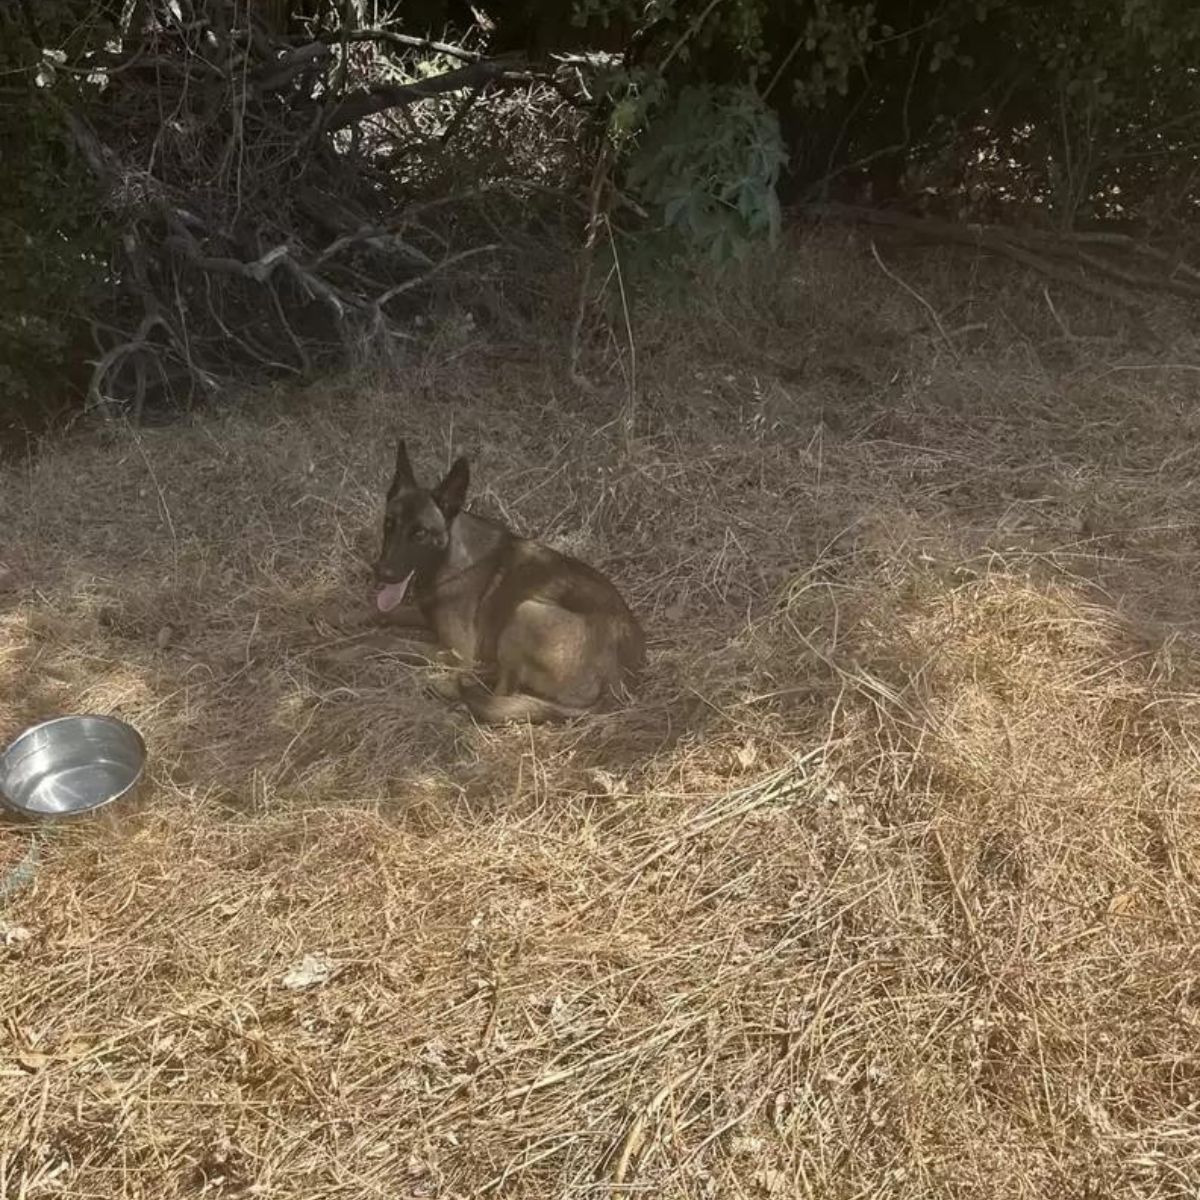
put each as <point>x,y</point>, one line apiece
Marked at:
<point>420,535</point>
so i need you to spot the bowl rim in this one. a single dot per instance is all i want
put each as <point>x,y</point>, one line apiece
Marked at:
<point>7,801</point>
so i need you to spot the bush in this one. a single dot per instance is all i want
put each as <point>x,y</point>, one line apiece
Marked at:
<point>709,164</point>
<point>52,257</point>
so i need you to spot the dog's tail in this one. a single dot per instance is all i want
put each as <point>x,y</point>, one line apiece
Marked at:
<point>490,709</point>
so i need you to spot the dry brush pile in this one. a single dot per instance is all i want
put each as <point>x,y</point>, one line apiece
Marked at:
<point>887,885</point>
<point>285,193</point>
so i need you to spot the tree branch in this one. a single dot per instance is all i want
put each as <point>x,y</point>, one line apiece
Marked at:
<point>280,72</point>
<point>379,99</point>
<point>408,42</point>
<point>261,270</point>
<point>108,362</point>
<point>417,280</point>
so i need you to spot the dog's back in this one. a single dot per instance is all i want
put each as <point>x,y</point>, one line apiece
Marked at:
<point>558,632</point>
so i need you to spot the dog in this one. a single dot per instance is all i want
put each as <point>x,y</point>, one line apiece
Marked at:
<point>547,637</point>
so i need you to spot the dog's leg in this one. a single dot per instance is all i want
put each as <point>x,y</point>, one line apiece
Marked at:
<point>410,652</point>
<point>488,708</point>
<point>377,643</point>
<point>368,623</point>
<point>449,677</point>
<point>445,685</point>
<point>407,617</point>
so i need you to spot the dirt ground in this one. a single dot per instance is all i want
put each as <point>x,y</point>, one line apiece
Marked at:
<point>886,885</point>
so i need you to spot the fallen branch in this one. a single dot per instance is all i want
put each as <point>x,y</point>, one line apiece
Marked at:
<point>1137,279</point>
<point>979,238</point>
<point>1075,247</point>
<point>1117,241</point>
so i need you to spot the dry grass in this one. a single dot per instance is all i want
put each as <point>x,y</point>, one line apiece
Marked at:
<point>888,886</point>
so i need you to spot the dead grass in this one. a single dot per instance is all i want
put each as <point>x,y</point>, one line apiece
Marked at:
<point>887,886</point>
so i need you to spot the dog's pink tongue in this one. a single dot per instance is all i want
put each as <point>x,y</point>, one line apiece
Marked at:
<point>391,594</point>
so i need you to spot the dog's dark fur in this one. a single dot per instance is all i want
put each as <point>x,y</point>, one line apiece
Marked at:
<point>549,636</point>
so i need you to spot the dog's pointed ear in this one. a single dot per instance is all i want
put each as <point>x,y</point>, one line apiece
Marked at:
<point>451,493</point>
<point>403,476</point>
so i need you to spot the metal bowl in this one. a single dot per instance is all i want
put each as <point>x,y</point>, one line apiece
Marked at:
<point>71,765</point>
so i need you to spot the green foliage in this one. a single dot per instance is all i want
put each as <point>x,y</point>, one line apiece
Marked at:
<point>51,250</point>
<point>1087,104</point>
<point>834,39</point>
<point>709,164</point>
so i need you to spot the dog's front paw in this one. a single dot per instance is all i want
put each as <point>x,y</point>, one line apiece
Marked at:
<point>338,614</point>
<point>444,685</point>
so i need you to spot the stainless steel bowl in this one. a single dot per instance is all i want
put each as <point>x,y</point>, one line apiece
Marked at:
<point>71,765</point>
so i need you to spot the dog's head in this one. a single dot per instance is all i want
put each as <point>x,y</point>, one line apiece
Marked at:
<point>416,529</point>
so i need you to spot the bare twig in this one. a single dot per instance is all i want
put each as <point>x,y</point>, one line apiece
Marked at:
<point>405,41</point>
<point>912,291</point>
<point>419,280</point>
<point>596,192</point>
<point>629,417</point>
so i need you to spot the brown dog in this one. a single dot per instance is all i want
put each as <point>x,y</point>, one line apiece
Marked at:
<point>550,636</point>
